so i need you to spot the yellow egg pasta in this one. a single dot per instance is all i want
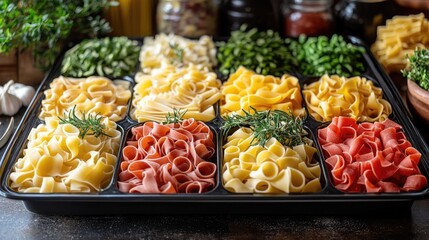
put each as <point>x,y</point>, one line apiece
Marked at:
<point>245,89</point>
<point>272,168</point>
<point>157,94</point>
<point>163,50</point>
<point>57,160</point>
<point>399,38</point>
<point>89,95</point>
<point>354,97</point>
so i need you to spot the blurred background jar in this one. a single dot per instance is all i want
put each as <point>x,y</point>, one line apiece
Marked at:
<point>189,18</point>
<point>308,17</point>
<point>259,14</point>
<point>361,17</point>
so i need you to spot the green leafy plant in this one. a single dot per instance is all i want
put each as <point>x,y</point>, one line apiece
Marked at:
<point>43,25</point>
<point>88,124</point>
<point>418,68</point>
<point>175,117</point>
<point>178,52</point>
<point>285,127</point>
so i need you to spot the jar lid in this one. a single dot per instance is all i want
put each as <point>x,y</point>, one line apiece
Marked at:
<point>310,5</point>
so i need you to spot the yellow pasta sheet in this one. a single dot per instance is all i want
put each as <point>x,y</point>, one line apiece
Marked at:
<point>354,97</point>
<point>171,49</point>
<point>190,89</point>
<point>398,38</point>
<point>245,89</point>
<point>272,168</point>
<point>89,95</point>
<point>58,160</point>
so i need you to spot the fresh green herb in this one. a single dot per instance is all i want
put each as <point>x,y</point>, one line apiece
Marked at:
<point>44,25</point>
<point>114,57</point>
<point>264,52</point>
<point>418,68</point>
<point>87,125</point>
<point>175,117</point>
<point>319,55</point>
<point>178,52</point>
<point>285,127</point>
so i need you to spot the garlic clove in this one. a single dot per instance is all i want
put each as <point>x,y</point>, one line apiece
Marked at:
<point>23,92</point>
<point>9,103</point>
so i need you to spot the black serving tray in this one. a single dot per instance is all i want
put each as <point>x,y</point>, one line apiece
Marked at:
<point>219,201</point>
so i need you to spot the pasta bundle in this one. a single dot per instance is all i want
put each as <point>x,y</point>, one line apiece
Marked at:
<point>272,168</point>
<point>178,51</point>
<point>245,89</point>
<point>58,160</point>
<point>89,95</point>
<point>160,93</point>
<point>399,38</point>
<point>354,97</point>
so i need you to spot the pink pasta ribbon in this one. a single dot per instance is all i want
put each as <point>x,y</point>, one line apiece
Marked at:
<point>170,158</point>
<point>370,157</point>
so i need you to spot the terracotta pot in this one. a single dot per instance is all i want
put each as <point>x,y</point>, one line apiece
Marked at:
<point>418,99</point>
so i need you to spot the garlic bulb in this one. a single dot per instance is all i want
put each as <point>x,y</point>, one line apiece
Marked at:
<point>23,92</point>
<point>9,103</point>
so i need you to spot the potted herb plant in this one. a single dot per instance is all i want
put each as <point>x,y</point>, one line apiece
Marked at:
<point>40,28</point>
<point>417,74</point>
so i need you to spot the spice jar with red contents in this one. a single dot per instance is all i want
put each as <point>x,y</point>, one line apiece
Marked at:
<point>189,18</point>
<point>308,17</point>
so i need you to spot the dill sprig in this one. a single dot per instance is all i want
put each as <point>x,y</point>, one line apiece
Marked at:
<point>178,51</point>
<point>176,116</point>
<point>87,125</point>
<point>284,127</point>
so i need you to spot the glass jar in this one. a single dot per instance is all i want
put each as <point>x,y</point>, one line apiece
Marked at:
<point>362,17</point>
<point>308,17</point>
<point>189,18</point>
<point>254,13</point>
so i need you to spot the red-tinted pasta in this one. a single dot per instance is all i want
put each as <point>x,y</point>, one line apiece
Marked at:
<point>170,158</point>
<point>370,157</point>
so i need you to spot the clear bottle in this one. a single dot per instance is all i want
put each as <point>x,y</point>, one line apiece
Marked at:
<point>189,18</point>
<point>308,17</point>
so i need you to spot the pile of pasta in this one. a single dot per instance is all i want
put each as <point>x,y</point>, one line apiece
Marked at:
<point>245,89</point>
<point>178,51</point>
<point>89,95</point>
<point>171,88</point>
<point>272,168</point>
<point>354,97</point>
<point>399,38</point>
<point>170,158</point>
<point>57,160</point>
<point>370,157</point>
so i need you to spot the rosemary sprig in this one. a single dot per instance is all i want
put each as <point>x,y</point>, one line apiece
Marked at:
<point>87,125</point>
<point>284,127</point>
<point>178,51</point>
<point>176,116</point>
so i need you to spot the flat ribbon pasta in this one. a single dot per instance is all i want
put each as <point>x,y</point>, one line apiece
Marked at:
<point>245,89</point>
<point>168,159</point>
<point>57,160</point>
<point>354,97</point>
<point>89,95</point>
<point>158,94</point>
<point>164,50</point>
<point>272,168</point>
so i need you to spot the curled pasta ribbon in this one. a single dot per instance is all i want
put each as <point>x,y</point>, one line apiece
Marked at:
<point>399,38</point>
<point>354,97</point>
<point>272,168</point>
<point>370,157</point>
<point>157,94</point>
<point>57,160</point>
<point>168,159</point>
<point>89,95</point>
<point>245,89</point>
<point>162,50</point>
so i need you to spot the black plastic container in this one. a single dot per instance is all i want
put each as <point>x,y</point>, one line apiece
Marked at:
<point>219,200</point>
